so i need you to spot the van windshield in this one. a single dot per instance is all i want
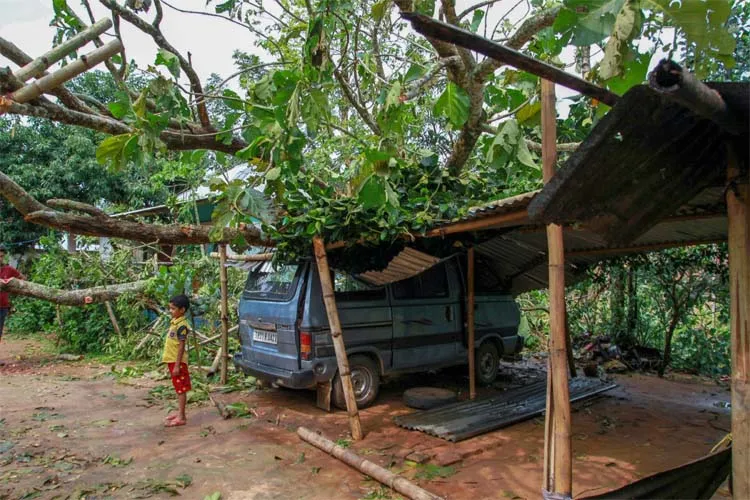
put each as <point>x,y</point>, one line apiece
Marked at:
<point>275,285</point>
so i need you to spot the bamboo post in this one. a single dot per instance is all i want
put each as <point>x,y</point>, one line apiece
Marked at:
<point>36,67</point>
<point>388,478</point>
<point>53,80</point>
<point>558,463</point>
<point>113,318</point>
<point>470,324</point>
<point>329,299</point>
<point>224,311</point>
<point>738,212</point>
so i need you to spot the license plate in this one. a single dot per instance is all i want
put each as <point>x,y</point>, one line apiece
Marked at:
<point>264,336</point>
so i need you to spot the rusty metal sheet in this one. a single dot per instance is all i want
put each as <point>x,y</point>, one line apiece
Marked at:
<point>466,419</point>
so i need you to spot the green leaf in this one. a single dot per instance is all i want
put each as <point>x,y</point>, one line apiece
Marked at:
<point>476,20</point>
<point>627,26</point>
<point>233,100</point>
<point>524,156</point>
<point>635,68</point>
<point>704,24</point>
<point>225,7</point>
<point>184,480</point>
<point>372,193</point>
<point>529,112</point>
<point>453,103</point>
<point>273,174</point>
<point>590,20</point>
<point>213,496</point>
<point>116,150</point>
<point>426,7</point>
<point>379,9</point>
<point>169,60</point>
<point>393,98</point>
<point>415,72</point>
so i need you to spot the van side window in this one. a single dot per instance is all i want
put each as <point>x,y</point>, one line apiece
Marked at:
<point>432,283</point>
<point>347,287</point>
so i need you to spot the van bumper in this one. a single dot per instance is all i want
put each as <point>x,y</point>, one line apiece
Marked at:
<point>303,379</point>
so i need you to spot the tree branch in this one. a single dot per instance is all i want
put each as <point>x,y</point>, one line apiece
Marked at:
<point>76,206</point>
<point>111,227</point>
<point>478,6</point>
<point>361,110</point>
<point>162,42</point>
<point>524,34</point>
<point>416,88</point>
<point>80,297</point>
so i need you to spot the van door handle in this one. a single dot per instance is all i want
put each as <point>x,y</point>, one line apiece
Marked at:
<point>448,313</point>
<point>420,321</point>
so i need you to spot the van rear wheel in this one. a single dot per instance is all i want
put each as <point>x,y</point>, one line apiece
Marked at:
<point>365,380</point>
<point>487,363</point>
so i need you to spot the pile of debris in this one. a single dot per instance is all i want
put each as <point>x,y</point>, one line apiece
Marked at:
<point>601,354</point>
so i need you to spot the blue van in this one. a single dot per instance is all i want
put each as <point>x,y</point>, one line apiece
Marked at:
<point>417,324</point>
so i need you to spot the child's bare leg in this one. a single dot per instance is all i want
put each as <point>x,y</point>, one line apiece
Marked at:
<point>182,399</point>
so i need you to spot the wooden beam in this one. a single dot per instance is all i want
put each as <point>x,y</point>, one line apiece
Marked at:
<point>470,323</point>
<point>329,299</point>
<point>738,208</point>
<point>514,218</point>
<point>224,310</point>
<point>448,33</point>
<point>560,461</point>
<point>53,80</point>
<point>36,67</point>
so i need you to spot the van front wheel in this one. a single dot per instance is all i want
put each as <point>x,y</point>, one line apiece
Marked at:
<point>487,363</point>
<point>365,380</point>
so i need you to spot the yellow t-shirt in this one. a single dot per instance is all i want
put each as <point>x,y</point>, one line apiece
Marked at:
<point>178,330</point>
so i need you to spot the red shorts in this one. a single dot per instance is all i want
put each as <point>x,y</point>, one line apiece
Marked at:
<point>181,383</point>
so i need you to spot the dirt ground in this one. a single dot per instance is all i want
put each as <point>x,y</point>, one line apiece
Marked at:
<point>72,430</point>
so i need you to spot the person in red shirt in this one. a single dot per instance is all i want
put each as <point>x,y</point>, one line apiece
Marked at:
<point>7,273</point>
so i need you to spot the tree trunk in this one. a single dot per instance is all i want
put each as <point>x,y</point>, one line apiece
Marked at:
<point>224,310</point>
<point>95,295</point>
<point>668,342</point>
<point>617,303</point>
<point>632,321</point>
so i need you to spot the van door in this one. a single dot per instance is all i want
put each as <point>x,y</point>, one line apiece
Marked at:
<point>426,319</point>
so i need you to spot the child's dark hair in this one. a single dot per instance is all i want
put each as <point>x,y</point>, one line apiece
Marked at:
<point>180,301</point>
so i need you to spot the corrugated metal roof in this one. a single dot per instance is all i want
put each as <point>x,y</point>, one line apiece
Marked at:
<point>499,206</point>
<point>407,264</point>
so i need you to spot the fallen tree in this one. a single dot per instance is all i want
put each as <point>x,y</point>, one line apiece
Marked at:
<point>97,223</point>
<point>84,296</point>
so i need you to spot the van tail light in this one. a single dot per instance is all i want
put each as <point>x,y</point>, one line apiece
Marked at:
<point>305,345</point>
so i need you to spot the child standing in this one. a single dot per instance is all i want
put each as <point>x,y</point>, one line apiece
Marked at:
<point>176,358</point>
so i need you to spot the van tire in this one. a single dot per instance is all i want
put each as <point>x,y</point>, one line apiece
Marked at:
<point>487,363</point>
<point>365,376</point>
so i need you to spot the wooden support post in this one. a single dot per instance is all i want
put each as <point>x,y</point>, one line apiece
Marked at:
<point>470,324</point>
<point>738,211</point>
<point>224,310</point>
<point>569,346</point>
<point>558,460</point>
<point>329,299</point>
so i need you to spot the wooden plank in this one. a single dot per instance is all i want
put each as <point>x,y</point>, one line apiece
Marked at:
<point>560,463</point>
<point>329,300</point>
<point>738,211</point>
<point>258,257</point>
<point>470,324</point>
<point>224,310</point>
<point>448,33</point>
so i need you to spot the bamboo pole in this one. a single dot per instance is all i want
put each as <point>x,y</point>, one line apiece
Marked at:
<point>259,257</point>
<point>738,211</point>
<point>53,80</point>
<point>224,310</point>
<point>470,325</point>
<point>338,340</point>
<point>36,67</point>
<point>388,478</point>
<point>549,437</point>
<point>113,318</point>
<point>558,463</point>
